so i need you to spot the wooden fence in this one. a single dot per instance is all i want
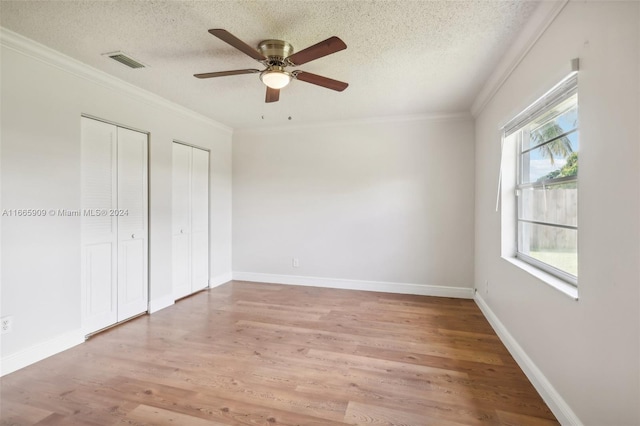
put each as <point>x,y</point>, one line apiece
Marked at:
<point>557,205</point>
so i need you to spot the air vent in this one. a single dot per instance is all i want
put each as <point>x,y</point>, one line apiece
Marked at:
<point>124,59</point>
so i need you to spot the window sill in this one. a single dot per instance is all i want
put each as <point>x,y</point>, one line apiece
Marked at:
<point>545,277</point>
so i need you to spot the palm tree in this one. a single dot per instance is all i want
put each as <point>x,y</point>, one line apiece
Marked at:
<point>560,147</point>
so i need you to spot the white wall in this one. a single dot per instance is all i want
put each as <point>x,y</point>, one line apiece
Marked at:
<point>41,109</point>
<point>386,201</point>
<point>589,350</point>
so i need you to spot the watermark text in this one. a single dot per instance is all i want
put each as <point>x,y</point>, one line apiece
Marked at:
<point>64,212</point>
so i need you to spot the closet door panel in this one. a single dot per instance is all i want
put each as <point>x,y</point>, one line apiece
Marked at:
<point>99,180</point>
<point>199,261</point>
<point>199,219</point>
<point>181,271</point>
<point>132,289</point>
<point>132,182</point>
<point>100,304</point>
<point>181,198</point>
<point>99,230</point>
<point>132,223</point>
<point>180,188</point>
<point>200,190</point>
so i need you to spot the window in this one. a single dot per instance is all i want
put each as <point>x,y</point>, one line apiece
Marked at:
<point>546,186</point>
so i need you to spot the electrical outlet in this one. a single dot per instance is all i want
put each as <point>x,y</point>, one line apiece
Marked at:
<point>295,262</point>
<point>6,324</point>
<point>486,287</point>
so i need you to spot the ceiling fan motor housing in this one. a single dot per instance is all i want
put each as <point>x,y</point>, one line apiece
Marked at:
<point>276,51</point>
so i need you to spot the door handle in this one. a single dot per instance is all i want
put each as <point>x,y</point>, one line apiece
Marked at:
<point>133,236</point>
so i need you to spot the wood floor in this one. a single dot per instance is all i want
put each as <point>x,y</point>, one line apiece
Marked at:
<point>263,354</point>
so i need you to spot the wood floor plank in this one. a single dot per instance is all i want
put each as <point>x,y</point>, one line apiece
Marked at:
<point>17,413</point>
<point>366,414</point>
<point>60,420</point>
<point>377,364</point>
<point>447,349</point>
<point>514,419</point>
<point>144,415</point>
<point>265,354</point>
<point>212,404</point>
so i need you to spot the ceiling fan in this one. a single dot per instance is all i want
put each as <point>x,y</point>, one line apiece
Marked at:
<point>276,56</point>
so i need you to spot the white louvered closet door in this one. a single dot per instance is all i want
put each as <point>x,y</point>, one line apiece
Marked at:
<point>181,196</point>
<point>99,232</point>
<point>190,221</point>
<point>114,224</point>
<point>132,223</point>
<point>199,219</point>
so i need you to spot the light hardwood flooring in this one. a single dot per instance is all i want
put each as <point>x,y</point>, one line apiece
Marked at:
<point>264,354</point>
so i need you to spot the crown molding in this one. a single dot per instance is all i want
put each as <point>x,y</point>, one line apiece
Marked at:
<point>544,15</point>
<point>456,116</point>
<point>42,53</point>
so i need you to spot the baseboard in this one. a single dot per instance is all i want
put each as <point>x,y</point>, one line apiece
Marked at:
<point>160,303</point>
<point>379,286</point>
<point>40,351</point>
<point>219,280</point>
<point>549,394</point>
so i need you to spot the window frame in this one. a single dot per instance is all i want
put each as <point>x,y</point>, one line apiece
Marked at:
<point>560,93</point>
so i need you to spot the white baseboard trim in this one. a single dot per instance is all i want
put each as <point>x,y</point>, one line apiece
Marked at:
<point>160,303</point>
<point>219,280</point>
<point>40,351</point>
<point>380,286</point>
<point>549,394</point>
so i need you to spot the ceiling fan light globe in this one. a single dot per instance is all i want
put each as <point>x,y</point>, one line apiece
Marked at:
<point>275,79</point>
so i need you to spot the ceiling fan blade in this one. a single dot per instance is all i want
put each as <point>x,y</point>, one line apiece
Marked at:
<point>319,80</point>
<point>273,95</point>
<point>234,41</point>
<point>224,73</point>
<point>324,48</point>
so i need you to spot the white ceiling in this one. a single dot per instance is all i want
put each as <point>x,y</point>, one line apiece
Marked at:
<point>403,57</point>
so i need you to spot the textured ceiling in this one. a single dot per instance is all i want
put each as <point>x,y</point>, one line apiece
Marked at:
<point>403,57</point>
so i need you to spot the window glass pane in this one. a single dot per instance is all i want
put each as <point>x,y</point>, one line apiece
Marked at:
<point>547,182</point>
<point>554,246</point>
<point>552,204</point>
<point>558,120</point>
<point>553,160</point>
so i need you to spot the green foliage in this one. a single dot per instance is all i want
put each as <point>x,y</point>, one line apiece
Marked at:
<point>571,167</point>
<point>560,147</point>
<point>552,175</point>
